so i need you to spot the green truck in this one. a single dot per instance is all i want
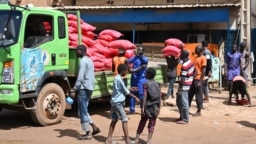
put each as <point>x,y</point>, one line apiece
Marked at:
<point>37,67</point>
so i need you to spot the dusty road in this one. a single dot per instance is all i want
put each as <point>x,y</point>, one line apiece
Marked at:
<point>219,124</point>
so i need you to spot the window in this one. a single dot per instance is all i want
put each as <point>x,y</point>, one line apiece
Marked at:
<point>61,27</point>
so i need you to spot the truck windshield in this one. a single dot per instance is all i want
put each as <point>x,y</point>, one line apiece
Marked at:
<point>9,27</point>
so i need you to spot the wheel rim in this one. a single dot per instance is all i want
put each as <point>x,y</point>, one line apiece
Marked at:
<point>51,106</point>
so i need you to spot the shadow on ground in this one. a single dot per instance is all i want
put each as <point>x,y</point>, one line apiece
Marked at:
<point>247,124</point>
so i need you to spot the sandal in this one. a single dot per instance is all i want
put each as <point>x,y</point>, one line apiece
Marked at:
<point>96,131</point>
<point>196,114</point>
<point>181,122</point>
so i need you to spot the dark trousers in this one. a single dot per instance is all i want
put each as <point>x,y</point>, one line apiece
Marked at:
<point>198,91</point>
<point>143,121</point>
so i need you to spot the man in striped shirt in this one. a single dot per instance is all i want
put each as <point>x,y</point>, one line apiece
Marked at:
<point>186,79</point>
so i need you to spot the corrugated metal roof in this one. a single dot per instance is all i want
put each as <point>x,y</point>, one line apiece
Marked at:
<point>149,6</point>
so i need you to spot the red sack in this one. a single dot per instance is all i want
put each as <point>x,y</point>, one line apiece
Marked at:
<point>72,17</point>
<point>124,44</point>
<point>102,42</point>
<point>73,44</point>
<point>129,53</point>
<point>72,29</point>
<point>73,36</point>
<point>89,52</point>
<point>95,58</point>
<point>47,27</point>
<point>113,52</point>
<point>89,34</point>
<point>108,62</point>
<point>72,24</point>
<point>98,64</point>
<point>106,37</point>
<point>96,69</point>
<point>87,27</point>
<point>170,50</point>
<point>101,49</point>
<point>87,40</point>
<point>99,55</point>
<point>113,33</point>
<point>174,42</point>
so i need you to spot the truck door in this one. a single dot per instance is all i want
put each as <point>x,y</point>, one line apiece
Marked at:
<point>37,48</point>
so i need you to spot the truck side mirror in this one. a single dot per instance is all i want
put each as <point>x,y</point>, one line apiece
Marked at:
<point>9,36</point>
<point>10,33</point>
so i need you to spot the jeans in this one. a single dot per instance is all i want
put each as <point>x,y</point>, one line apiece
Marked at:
<point>83,102</point>
<point>206,88</point>
<point>183,106</point>
<point>171,85</point>
<point>198,91</point>
<point>117,112</point>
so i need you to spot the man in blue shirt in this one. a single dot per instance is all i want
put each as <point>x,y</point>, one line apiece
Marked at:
<point>84,86</point>
<point>138,78</point>
<point>233,66</point>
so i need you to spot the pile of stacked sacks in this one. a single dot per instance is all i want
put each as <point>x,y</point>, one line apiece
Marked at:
<point>173,47</point>
<point>101,48</point>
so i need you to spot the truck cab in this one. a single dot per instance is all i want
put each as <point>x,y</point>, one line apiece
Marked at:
<point>34,58</point>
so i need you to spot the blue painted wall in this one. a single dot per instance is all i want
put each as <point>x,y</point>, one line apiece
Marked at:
<point>157,15</point>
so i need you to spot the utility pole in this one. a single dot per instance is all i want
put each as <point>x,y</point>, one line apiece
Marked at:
<point>245,15</point>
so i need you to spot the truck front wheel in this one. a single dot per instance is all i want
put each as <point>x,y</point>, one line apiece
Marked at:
<point>50,105</point>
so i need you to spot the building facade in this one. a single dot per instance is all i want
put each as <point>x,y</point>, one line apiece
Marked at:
<point>156,20</point>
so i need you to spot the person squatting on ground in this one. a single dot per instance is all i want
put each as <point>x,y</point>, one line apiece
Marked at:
<point>138,78</point>
<point>172,63</point>
<point>197,85</point>
<point>239,86</point>
<point>244,60</point>
<point>208,70</point>
<point>117,60</point>
<point>117,104</point>
<point>84,86</point>
<point>150,106</point>
<point>186,79</point>
<point>233,66</point>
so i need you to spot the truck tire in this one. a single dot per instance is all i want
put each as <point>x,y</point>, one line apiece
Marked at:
<point>50,105</point>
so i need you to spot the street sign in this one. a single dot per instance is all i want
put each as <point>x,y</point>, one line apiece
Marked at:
<point>215,70</point>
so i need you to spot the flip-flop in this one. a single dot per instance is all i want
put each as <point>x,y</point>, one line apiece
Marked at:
<point>96,131</point>
<point>196,114</point>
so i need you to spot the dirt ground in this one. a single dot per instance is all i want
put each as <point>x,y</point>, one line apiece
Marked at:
<point>219,124</point>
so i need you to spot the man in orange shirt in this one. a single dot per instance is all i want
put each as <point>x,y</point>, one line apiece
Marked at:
<point>197,85</point>
<point>120,59</point>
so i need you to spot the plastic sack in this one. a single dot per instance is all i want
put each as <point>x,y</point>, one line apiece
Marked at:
<point>174,42</point>
<point>171,51</point>
<point>112,33</point>
<point>124,44</point>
